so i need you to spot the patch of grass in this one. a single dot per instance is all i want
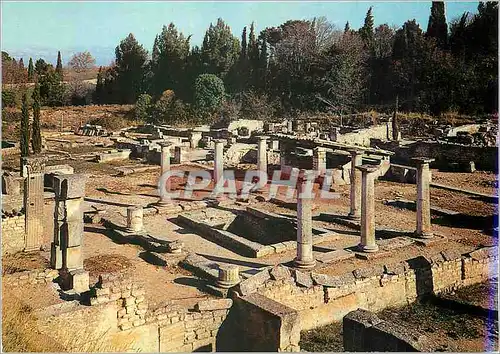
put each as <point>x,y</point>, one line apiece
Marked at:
<point>323,339</point>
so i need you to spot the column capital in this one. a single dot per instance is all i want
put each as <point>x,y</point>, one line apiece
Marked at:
<point>367,168</point>
<point>35,164</point>
<point>165,144</point>
<point>263,137</point>
<point>422,160</point>
<point>219,141</point>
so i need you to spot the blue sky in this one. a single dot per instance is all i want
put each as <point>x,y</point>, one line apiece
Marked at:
<point>39,29</point>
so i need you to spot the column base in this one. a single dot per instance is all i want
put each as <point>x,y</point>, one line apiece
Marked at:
<point>225,284</point>
<point>367,248</point>
<point>424,235</point>
<point>304,264</point>
<point>354,217</point>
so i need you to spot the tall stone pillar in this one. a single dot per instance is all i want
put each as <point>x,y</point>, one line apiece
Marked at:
<point>33,203</point>
<point>165,159</point>
<point>66,250</point>
<point>218,160</point>
<point>424,228</point>
<point>304,257</point>
<point>262,153</point>
<point>355,177</point>
<point>368,243</point>
<point>319,160</point>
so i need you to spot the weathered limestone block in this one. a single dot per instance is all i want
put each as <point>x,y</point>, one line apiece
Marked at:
<point>79,280</point>
<point>280,272</point>
<point>211,305</point>
<point>70,186</point>
<point>303,279</point>
<point>74,258</point>
<point>253,283</point>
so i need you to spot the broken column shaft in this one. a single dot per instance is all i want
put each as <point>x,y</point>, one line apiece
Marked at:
<point>229,276</point>
<point>304,257</point>
<point>66,249</point>
<point>368,243</point>
<point>262,154</point>
<point>355,177</point>
<point>135,218</point>
<point>424,228</point>
<point>33,203</point>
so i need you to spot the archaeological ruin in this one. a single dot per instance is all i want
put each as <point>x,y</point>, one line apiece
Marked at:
<point>111,257</point>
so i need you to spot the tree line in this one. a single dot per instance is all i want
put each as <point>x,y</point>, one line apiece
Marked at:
<point>310,65</point>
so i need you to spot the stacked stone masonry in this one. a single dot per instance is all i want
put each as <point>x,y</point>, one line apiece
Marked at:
<point>13,233</point>
<point>37,276</point>
<point>180,329</point>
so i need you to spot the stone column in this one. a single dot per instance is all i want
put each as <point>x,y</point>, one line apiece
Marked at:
<point>66,250</point>
<point>218,160</point>
<point>178,154</point>
<point>368,243</point>
<point>165,159</point>
<point>229,276</point>
<point>424,228</point>
<point>262,154</point>
<point>134,218</point>
<point>304,257</point>
<point>33,203</point>
<point>319,160</point>
<point>355,177</point>
<point>284,154</point>
<point>275,144</point>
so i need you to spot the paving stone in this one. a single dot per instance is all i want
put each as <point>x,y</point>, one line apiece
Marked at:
<point>303,279</point>
<point>280,272</point>
<point>368,272</point>
<point>251,284</point>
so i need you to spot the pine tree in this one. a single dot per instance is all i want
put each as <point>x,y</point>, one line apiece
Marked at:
<point>25,126</point>
<point>36,139</point>
<point>59,68</point>
<point>31,71</point>
<point>367,30</point>
<point>437,27</point>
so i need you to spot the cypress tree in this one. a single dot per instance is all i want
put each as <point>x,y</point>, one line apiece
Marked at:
<point>25,126</point>
<point>437,26</point>
<point>347,27</point>
<point>31,71</point>
<point>21,64</point>
<point>59,68</point>
<point>244,44</point>
<point>36,140</point>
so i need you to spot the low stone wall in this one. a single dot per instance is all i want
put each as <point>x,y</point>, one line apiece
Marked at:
<point>119,316</point>
<point>321,299</point>
<point>259,324</point>
<point>363,331</point>
<point>36,276</point>
<point>13,233</point>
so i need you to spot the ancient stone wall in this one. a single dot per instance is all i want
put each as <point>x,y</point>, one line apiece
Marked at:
<point>119,317</point>
<point>362,136</point>
<point>13,233</point>
<point>363,331</point>
<point>322,299</point>
<point>36,276</point>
